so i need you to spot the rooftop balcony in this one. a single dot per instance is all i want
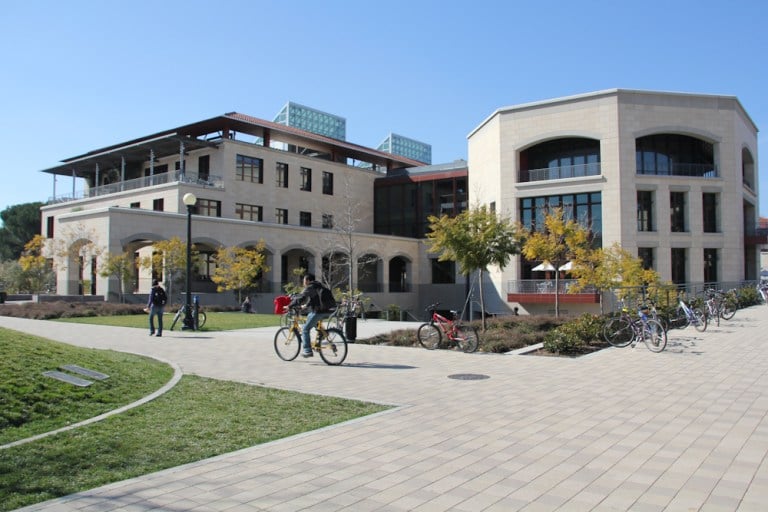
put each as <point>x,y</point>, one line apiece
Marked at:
<point>683,169</point>
<point>207,180</point>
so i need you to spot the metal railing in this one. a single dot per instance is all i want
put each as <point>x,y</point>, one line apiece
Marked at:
<point>534,286</point>
<point>684,169</point>
<point>208,180</point>
<point>559,173</point>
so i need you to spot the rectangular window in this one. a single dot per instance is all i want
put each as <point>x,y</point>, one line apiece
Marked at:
<point>281,215</point>
<point>158,205</point>
<point>49,227</point>
<point>646,256</point>
<point>203,167</point>
<point>327,183</point>
<point>208,208</point>
<point>645,211</point>
<point>709,210</point>
<point>250,169</point>
<point>443,272</point>
<point>281,175</point>
<point>327,221</point>
<point>677,212</point>
<point>306,179</point>
<point>136,205</point>
<point>248,212</point>
<point>678,266</point>
<point>305,219</point>
<point>710,265</point>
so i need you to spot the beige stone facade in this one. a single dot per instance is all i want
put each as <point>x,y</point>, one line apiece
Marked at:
<point>614,121</point>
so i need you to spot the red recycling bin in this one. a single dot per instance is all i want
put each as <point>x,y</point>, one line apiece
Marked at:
<point>280,302</point>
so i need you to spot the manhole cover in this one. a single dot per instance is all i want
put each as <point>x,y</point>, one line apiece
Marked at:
<point>468,376</point>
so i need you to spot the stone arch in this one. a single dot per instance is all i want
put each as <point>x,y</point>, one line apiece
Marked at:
<point>370,273</point>
<point>400,274</point>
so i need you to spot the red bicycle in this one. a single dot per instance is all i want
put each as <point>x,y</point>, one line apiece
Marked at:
<point>430,334</point>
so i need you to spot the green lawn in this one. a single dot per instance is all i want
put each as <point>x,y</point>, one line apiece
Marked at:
<point>217,321</point>
<point>198,418</point>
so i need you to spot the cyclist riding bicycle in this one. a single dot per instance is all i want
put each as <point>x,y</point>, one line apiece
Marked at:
<point>318,300</point>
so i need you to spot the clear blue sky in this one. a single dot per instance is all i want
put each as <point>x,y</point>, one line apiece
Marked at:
<point>78,76</point>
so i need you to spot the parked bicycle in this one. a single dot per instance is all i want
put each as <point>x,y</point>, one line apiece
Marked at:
<point>685,315</point>
<point>430,334</point>
<point>624,330</point>
<point>762,291</point>
<point>182,313</point>
<point>329,342</point>
<point>719,305</point>
<point>350,305</point>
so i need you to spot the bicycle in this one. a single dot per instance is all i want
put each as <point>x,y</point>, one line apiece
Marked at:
<point>625,330</point>
<point>350,305</point>
<point>430,334</point>
<point>329,342</point>
<point>686,315</point>
<point>182,313</point>
<point>720,305</point>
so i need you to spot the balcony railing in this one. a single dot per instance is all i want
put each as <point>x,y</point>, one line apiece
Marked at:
<point>683,169</point>
<point>209,180</point>
<point>534,286</point>
<point>559,173</point>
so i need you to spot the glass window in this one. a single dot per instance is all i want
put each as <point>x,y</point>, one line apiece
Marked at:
<point>158,204</point>
<point>208,208</point>
<point>327,183</point>
<point>305,218</point>
<point>281,215</point>
<point>678,266</point>
<point>248,212</point>
<point>710,265</point>
<point>443,272</point>
<point>249,168</point>
<point>281,175</point>
<point>306,179</point>
<point>645,210</point>
<point>646,256</point>
<point>327,221</point>
<point>677,211</point>
<point>709,210</point>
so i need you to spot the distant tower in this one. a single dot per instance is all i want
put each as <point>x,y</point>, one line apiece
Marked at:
<point>311,120</point>
<point>403,146</point>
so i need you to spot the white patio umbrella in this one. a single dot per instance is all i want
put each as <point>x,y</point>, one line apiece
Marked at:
<point>544,266</point>
<point>567,267</point>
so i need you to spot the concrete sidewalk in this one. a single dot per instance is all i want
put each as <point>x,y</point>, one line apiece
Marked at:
<point>622,429</point>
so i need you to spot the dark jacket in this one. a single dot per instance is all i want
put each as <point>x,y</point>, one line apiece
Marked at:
<point>310,296</point>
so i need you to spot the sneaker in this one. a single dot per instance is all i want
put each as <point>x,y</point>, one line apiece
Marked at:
<point>159,335</point>
<point>152,334</point>
<point>307,354</point>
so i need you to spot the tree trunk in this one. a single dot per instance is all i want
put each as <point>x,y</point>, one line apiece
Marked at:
<point>482,300</point>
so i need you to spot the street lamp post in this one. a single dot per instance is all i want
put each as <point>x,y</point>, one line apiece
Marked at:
<point>189,200</point>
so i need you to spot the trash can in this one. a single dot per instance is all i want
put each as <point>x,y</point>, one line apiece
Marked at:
<point>350,327</point>
<point>2,297</point>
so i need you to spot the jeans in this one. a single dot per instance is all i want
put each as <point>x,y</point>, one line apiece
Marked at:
<point>311,322</point>
<point>156,310</point>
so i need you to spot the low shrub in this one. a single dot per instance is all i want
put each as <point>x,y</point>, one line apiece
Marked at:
<point>582,334</point>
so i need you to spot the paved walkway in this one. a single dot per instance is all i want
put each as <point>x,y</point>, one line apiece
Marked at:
<point>623,429</point>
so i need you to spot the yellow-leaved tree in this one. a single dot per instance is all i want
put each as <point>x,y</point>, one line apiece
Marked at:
<point>119,266</point>
<point>169,258</point>
<point>36,268</point>
<point>239,268</point>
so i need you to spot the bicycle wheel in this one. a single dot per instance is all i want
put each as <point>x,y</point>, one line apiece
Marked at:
<point>654,336</point>
<point>333,346</point>
<point>727,310</point>
<point>429,336</point>
<point>176,317</point>
<point>699,320</point>
<point>466,338</point>
<point>287,344</point>
<point>201,318</point>
<point>619,332</point>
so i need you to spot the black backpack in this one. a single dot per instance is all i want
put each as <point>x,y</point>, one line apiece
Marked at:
<point>327,302</point>
<point>159,298</point>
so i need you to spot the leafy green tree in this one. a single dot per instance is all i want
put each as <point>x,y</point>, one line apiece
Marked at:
<point>20,223</point>
<point>475,239</point>
<point>120,266</point>
<point>561,240</point>
<point>238,268</point>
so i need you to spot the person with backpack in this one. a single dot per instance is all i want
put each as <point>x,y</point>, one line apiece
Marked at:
<point>319,302</point>
<point>156,305</point>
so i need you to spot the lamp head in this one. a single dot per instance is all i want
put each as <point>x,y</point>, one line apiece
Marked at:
<point>189,199</point>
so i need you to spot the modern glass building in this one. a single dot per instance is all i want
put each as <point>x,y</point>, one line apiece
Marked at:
<point>404,146</point>
<point>311,120</point>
